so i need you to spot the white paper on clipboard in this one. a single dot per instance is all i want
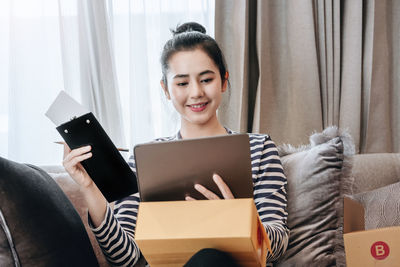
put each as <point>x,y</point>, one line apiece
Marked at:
<point>64,108</point>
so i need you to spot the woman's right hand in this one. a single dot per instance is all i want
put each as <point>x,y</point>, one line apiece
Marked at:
<point>97,204</point>
<point>72,164</point>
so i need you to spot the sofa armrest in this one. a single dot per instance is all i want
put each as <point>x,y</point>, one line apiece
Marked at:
<point>71,189</point>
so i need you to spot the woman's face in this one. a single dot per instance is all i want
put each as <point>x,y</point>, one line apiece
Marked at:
<point>194,87</point>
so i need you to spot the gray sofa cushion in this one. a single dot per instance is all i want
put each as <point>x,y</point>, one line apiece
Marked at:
<point>39,225</point>
<point>318,176</point>
<point>382,206</point>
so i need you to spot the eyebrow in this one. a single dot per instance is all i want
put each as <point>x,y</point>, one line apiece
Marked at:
<point>187,75</point>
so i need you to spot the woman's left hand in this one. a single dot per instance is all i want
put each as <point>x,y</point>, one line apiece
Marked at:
<point>225,191</point>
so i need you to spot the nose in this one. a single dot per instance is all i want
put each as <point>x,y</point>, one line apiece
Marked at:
<point>196,90</point>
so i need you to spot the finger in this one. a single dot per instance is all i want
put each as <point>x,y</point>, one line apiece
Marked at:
<point>74,161</point>
<point>78,152</point>
<point>223,187</point>
<point>205,192</point>
<point>67,150</point>
<point>189,198</point>
<point>81,158</point>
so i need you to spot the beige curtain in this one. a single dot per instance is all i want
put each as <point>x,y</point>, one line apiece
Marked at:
<point>234,41</point>
<point>299,66</point>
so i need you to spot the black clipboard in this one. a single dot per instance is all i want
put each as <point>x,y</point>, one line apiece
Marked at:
<point>107,168</point>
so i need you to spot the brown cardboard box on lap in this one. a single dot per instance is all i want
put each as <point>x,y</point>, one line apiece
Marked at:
<point>169,233</point>
<point>378,248</point>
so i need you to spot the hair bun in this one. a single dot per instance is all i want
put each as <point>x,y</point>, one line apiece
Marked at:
<point>189,27</point>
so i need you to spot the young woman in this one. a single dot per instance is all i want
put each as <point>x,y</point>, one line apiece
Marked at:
<point>194,79</point>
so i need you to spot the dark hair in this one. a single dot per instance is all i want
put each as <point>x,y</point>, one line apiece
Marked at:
<point>189,36</point>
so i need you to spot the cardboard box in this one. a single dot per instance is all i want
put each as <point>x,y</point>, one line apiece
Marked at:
<point>380,247</point>
<point>169,233</point>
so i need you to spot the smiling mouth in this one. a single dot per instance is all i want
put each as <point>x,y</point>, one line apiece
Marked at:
<point>198,107</point>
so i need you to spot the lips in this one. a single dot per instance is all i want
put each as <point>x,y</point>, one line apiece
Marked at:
<point>198,107</point>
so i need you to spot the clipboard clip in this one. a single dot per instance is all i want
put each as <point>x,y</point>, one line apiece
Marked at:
<point>74,117</point>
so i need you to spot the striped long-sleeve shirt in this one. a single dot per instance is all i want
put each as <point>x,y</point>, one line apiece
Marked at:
<point>116,233</point>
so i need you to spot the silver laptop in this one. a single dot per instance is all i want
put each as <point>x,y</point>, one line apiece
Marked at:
<point>168,171</point>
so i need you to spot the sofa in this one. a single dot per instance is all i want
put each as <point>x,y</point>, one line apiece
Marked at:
<point>366,173</point>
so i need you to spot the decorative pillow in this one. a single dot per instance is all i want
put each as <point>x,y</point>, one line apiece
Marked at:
<point>38,224</point>
<point>382,206</point>
<point>318,175</point>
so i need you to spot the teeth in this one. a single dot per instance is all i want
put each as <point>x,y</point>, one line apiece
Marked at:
<point>199,106</point>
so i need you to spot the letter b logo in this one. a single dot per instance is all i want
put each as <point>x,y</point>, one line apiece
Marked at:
<point>380,250</point>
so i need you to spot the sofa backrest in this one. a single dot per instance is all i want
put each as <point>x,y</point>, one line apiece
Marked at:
<point>372,171</point>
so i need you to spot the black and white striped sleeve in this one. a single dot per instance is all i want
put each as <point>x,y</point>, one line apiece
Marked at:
<point>270,184</point>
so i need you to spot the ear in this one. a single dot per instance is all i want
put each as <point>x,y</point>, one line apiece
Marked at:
<point>225,84</point>
<point>165,89</point>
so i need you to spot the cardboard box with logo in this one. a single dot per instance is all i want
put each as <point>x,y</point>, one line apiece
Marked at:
<point>378,248</point>
<point>169,233</point>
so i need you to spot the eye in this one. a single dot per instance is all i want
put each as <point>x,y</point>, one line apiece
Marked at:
<point>182,84</point>
<point>206,80</point>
